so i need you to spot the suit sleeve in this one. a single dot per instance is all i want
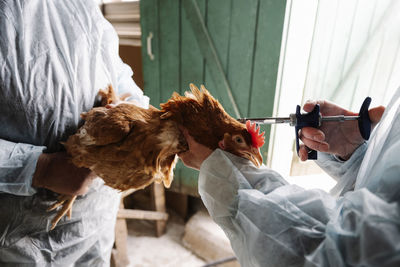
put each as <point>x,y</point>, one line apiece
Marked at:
<point>126,84</point>
<point>17,166</point>
<point>272,223</point>
<point>344,172</point>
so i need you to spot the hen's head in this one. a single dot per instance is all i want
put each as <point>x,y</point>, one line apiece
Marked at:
<point>243,143</point>
<point>209,124</point>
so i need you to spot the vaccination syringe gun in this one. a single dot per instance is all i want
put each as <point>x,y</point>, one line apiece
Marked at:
<point>315,119</point>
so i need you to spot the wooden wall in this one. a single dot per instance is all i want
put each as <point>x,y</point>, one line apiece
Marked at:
<point>230,46</point>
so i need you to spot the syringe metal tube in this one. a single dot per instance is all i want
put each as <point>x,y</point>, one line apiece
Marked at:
<point>271,120</point>
<point>340,118</point>
<point>292,120</point>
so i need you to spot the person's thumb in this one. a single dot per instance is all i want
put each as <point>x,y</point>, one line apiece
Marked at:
<point>375,114</point>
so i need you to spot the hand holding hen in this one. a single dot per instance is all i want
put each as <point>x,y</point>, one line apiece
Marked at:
<point>197,153</point>
<point>131,147</point>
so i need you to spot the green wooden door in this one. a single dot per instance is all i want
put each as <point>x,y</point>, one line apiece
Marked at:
<point>230,46</point>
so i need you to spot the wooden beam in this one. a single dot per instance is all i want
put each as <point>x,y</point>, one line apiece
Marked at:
<point>123,17</point>
<point>158,194</point>
<point>120,256</point>
<point>142,215</point>
<point>127,192</point>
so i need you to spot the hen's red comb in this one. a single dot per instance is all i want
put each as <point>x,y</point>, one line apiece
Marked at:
<point>257,138</point>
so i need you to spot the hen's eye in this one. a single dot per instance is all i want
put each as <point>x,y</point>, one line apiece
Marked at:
<point>239,140</point>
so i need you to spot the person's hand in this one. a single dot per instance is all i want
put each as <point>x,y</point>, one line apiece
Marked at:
<point>338,138</point>
<point>122,100</point>
<point>55,172</point>
<point>197,153</point>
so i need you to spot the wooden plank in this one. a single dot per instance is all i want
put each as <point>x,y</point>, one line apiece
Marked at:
<point>266,58</point>
<point>241,47</point>
<point>169,48</point>
<point>121,8</point>
<point>191,59</point>
<point>210,53</point>
<point>151,70</point>
<point>127,29</point>
<point>158,195</point>
<point>121,234</point>
<point>192,71</point>
<point>142,215</point>
<point>131,42</point>
<point>271,14</point>
<point>128,192</point>
<point>218,26</point>
<point>123,17</point>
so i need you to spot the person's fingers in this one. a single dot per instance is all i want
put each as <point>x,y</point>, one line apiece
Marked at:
<point>197,152</point>
<point>189,139</point>
<point>312,133</point>
<point>186,134</point>
<point>187,156</point>
<point>184,156</point>
<point>108,106</point>
<point>125,96</point>
<point>375,114</point>
<point>189,160</point>
<point>327,108</point>
<point>303,153</point>
<point>315,145</point>
<point>312,138</point>
<point>309,105</point>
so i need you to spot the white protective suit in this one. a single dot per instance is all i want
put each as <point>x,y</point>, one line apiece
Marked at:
<point>55,55</point>
<point>272,223</point>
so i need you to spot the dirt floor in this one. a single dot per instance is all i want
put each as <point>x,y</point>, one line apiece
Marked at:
<point>145,249</point>
<point>192,238</point>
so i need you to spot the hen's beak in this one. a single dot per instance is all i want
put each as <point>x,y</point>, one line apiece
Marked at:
<point>254,155</point>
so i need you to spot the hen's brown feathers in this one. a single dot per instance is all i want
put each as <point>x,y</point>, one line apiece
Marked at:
<point>130,147</point>
<point>122,146</point>
<point>203,116</point>
<point>105,126</point>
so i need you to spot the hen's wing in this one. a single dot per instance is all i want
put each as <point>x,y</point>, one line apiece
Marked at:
<point>106,126</point>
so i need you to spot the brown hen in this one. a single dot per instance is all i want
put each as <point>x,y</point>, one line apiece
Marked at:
<point>131,147</point>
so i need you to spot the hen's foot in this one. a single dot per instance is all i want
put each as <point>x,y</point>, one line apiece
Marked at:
<point>66,202</point>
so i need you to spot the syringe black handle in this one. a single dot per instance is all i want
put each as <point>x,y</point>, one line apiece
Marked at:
<point>311,119</point>
<point>364,121</point>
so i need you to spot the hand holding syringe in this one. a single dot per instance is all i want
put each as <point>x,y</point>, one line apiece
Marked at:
<point>319,117</point>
